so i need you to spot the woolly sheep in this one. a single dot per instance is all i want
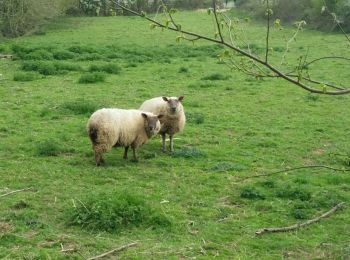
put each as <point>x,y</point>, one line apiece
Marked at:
<point>173,120</point>
<point>110,127</point>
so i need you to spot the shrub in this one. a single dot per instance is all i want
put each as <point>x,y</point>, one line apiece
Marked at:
<point>80,106</point>
<point>89,57</point>
<point>63,55</point>
<point>196,118</point>
<point>109,68</point>
<point>44,68</point>
<point>293,193</point>
<point>48,148</point>
<point>89,78</point>
<point>49,68</point>
<point>216,76</point>
<point>39,55</point>
<point>183,70</point>
<point>115,211</point>
<point>252,193</point>
<point>25,76</point>
<point>80,49</point>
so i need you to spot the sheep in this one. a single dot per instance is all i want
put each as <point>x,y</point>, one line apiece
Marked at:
<point>112,127</point>
<point>174,118</point>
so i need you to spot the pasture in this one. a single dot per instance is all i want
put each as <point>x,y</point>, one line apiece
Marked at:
<point>194,203</point>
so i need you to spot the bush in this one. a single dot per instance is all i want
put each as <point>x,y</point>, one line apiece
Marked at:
<point>25,76</point>
<point>63,55</point>
<point>293,193</point>
<point>80,107</point>
<point>38,55</point>
<point>48,148</point>
<point>216,76</point>
<point>115,211</point>
<point>44,68</point>
<point>49,68</point>
<point>109,68</point>
<point>252,193</point>
<point>92,78</point>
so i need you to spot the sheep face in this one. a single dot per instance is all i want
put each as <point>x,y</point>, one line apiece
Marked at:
<point>173,104</point>
<point>152,124</point>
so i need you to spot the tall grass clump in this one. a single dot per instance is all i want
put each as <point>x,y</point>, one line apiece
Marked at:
<point>25,76</point>
<point>48,148</point>
<point>108,68</point>
<point>49,67</point>
<point>80,107</point>
<point>115,211</point>
<point>89,78</point>
<point>39,55</point>
<point>63,55</point>
<point>216,76</point>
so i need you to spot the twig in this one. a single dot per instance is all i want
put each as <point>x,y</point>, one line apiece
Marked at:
<point>113,251</point>
<point>297,168</point>
<point>217,21</point>
<point>299,225</point>
<point>15,191</point>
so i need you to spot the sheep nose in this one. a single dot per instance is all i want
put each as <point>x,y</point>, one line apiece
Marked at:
<point>151,128</point>
<point>173,109</point>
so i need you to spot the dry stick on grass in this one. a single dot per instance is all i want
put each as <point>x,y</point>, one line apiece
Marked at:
<point>113,251</point>
<point>15,191</point>
<point>296,168</point>
<point>297,226</point>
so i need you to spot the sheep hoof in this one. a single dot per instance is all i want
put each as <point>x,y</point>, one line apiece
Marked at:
<point>135,160</point>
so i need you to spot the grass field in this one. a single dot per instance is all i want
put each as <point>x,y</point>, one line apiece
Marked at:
<point>189,204</point>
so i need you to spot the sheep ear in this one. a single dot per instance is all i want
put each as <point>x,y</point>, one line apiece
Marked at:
<point>165,99</point>
<point>144,115</point>
<point>160,116</point>
<point>180,98</point>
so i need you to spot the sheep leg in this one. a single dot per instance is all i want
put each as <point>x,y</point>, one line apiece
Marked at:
<point>134,154</point>
<point>126,152</point>
<point>163,139</point>
<point>98,158</point>
<point>171,143</point>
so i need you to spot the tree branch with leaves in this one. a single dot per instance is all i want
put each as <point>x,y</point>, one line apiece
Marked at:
<point>249,63</point>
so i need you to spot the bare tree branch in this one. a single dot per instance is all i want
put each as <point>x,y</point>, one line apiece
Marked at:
<point>15,191</point>
<point>239,51</point>
<point>300,225</point>
<point>295,169</point>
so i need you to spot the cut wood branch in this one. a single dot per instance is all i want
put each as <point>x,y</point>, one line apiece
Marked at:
<point>277,72</point>
<point>299,225</point>
<point>15,191</point>
<point>113,251</point>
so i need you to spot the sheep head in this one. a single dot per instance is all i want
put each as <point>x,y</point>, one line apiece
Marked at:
<point>173,104</point>
<point>152,124</point>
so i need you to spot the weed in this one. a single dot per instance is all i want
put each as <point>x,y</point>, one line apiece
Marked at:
<point>115,211</point>
<point>183,70</point>
<point>196,118</point>
<point>293,193</point>
<point>89,78</point>
<point>39,55</point>
<point>80,107</point>
<point>63,55</point>
<point>252,193</point>
<point>216,76</point>
<point>188,153</point>
<point>49,148</point>
<point>25,76</point>
<point>109,68</point>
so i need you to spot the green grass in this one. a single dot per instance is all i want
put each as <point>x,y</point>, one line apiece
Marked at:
<point>189,204</point>
<point>94,77</point>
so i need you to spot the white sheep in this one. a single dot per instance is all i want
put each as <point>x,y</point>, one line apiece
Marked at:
<point>110,127</point>
<point>173,120</point>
